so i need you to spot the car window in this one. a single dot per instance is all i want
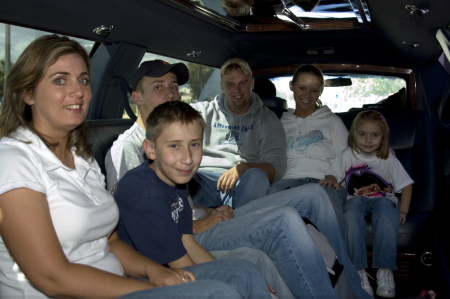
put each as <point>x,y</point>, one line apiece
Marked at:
<point>364,90</point>
<point>190,92</point>
<point>13,40</point>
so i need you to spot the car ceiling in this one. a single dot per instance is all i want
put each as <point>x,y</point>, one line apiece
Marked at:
<point>165,30</point>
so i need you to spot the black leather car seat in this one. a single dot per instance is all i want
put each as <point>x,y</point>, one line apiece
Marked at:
<point>268,94</point>
<point>102,134</point>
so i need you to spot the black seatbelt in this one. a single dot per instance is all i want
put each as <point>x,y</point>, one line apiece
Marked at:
<point>442,105</point>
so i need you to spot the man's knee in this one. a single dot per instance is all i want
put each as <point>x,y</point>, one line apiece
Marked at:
<point>316,196</point>
<point>256,175</point>
<point>255,256</point>
<point>288,215</point>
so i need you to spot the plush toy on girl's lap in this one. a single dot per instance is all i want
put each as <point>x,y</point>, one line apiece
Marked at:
<point>371,190</point>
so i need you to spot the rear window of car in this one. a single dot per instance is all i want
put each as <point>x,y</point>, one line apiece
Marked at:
<point>364,90</point>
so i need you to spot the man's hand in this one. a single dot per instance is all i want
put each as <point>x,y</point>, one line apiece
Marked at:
<point>206,223</point>
<point>225,210</point>
<point>229,178</point>
<point>329,181</point>
<point>213,217</point>
<point>170,276</point>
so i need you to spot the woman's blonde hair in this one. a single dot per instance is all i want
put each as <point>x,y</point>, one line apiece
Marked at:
<point>25,75</point>
<point>313,70</point>
<point>376,118</point>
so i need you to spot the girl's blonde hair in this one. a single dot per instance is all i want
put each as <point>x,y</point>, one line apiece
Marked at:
<point>378,119</point>
<point>25,75</point>
<point>313,70</point>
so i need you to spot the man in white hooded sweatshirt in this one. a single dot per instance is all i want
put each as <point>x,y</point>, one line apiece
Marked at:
<point>243,149</point>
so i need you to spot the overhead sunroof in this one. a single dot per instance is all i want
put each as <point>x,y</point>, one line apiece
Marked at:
<point>334,9</point>
<point>280,15</point>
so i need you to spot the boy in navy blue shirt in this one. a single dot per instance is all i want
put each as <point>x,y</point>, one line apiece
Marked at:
<point>152,197</point>
<point>154,194</point>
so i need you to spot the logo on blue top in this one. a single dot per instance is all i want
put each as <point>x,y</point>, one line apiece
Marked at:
<point>303,141</point>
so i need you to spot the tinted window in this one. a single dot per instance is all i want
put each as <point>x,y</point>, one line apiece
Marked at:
<point>364,89</point>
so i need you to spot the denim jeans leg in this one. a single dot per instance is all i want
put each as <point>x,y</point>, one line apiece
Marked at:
<point>240,274</point>
<point>201,289</point>
<point>252,184</point>
<point>283,184</point>
<point>338,199</point>
<point>312,202</point>
<point>281,233</point>
<point>264,265</point>
<point>355,212</point>
<point>203,189</point>
<point>386,221</point>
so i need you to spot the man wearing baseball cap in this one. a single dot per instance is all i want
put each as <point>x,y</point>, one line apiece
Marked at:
<point>153,83</point>
<point>244,143</point>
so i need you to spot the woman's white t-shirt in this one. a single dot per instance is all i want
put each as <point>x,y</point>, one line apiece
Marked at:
<point>83,213</point>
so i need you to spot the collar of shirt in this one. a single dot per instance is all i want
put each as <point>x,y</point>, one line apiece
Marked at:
<point>49,160</point>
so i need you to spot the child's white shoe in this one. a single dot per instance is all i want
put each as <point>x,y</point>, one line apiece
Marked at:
<point>385,282</point>
<point>365,282</point>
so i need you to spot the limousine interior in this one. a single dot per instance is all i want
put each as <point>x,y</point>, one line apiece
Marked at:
<point>390,56</point>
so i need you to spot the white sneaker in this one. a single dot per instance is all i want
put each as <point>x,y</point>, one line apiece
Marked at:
<point>365,282</point>
<point>385,282</point>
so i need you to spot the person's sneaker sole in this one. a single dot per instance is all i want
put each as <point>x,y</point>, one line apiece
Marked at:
<point>385,293</point>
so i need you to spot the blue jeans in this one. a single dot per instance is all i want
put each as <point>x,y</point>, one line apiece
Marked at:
<point>280,232</point>
<point>385,221</point>
<point>233,278</point>
<point>338,198</point>
<point>311,202</point>
<point>202,289</point>
<point>263,263</point>
<point>251,185</point>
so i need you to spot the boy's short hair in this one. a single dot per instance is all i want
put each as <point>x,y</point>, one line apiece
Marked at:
<point>168,113</point>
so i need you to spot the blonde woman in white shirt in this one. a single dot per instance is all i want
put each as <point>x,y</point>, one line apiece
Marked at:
<point>314,137</point>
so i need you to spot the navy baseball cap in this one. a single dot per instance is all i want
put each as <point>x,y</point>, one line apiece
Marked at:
<point>158,68</point>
